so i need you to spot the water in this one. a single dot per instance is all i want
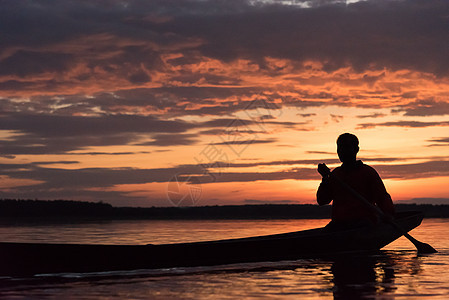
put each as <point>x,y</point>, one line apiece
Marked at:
<point>397,272</point>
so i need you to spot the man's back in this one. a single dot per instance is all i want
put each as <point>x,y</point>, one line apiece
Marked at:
<point>364,180</point>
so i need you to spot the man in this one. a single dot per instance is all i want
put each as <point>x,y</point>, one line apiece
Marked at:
<point>346,208</point>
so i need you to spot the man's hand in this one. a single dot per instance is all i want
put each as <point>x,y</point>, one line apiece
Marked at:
<point>324,170</point>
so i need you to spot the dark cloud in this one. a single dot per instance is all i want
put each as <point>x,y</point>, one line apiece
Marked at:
<point>439,142</point>
<point>109,153</point>
<point>218,131</point>
<point>49,134</point>
<point>80,126</point>
<point>392,34</point>
<point>108,177</point>
<point>47,48</point>
<point>275,163</point>
<point>306,115</point>
<point>130,37</point>
<point>172,101</point>
<point>92,182</point>
<point>139,77</point>
<point>373,115</point>
<point>297,174</point>
<point>188,100</point>
<point>304,162</point>
<point>60,145</point>
<point>197,78</point>
<point>337,118</point>
<point>171,140</point>
<point>244,123</point>
<point>56,178</point>
<point>411,124</point>
<point>320,152</point>
<point>23,63</point>
<point>413,171</point>
<point>427,107</point>
<point>427,169</point>
<point>62,162</point>
<point>249,142</point>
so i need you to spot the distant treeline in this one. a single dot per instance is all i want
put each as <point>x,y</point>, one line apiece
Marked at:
<point>65,210</point>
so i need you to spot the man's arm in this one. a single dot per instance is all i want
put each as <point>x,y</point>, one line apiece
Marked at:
<point>381,197</point>
<point>324,192</point>
<point>386,204</point>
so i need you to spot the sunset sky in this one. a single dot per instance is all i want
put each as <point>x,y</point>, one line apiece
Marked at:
<point>197,102</point>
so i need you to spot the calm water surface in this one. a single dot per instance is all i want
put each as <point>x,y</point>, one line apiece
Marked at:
<point>397,272</point>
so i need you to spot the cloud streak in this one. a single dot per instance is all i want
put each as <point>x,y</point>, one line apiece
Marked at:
<point>45,134</point>
<point>54,178</point>
<point>410,124</point>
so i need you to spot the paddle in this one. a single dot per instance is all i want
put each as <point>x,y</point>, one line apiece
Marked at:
<point>422,248</point>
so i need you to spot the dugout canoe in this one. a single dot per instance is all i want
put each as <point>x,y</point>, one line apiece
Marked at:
<point>25,259</point>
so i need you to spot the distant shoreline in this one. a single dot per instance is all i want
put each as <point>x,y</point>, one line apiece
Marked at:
<point>13,211</point>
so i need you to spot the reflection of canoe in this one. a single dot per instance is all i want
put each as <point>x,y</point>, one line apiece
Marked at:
<point>18,259</point>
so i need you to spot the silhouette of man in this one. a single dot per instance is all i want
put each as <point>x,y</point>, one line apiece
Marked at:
<point>346,208</point>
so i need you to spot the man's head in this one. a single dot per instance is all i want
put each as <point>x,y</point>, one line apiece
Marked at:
<point>347,147</point>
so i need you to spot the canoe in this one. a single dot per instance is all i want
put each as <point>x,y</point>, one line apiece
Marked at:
<point>25,259</point>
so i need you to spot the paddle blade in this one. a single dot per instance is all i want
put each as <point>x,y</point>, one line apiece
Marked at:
<point>424,248</point>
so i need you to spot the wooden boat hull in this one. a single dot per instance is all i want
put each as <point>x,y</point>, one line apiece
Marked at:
<point>24,259</point>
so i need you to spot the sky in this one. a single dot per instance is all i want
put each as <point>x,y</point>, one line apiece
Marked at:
<point>215,102</point>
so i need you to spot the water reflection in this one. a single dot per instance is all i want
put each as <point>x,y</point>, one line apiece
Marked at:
<point>394,273</point>
<point>372,276</point>
<point>385,275</point>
